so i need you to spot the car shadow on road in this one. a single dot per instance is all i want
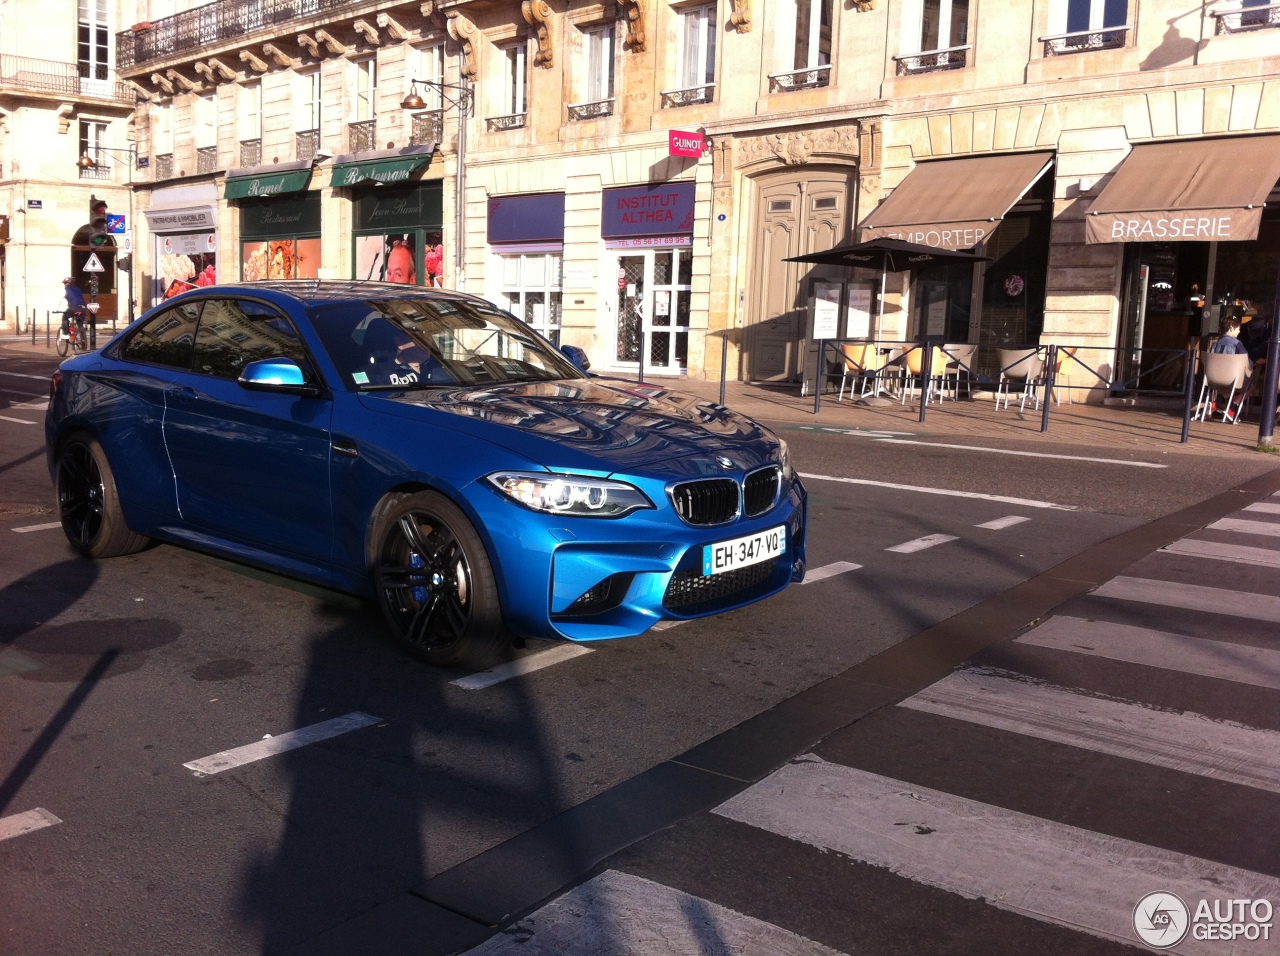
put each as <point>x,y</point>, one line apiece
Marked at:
<point>444,775</point>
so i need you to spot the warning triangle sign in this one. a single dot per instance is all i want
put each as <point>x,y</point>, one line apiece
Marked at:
<point>94,264</point>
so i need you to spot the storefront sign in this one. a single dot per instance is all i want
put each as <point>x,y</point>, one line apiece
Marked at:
<point>273,184</point>
<point>294,216</point>
<point>538,218</point>
<point>1219,225</point>
<point>648,242</point>
<point>654,210</point>
<point>682,143</point>
<point>181,220</point>
<point>401,209</point>
<point>858,313</point>
<point>962,236</point>
<point>395,170</point>
<point>826,310</point>
<point>184,262</point>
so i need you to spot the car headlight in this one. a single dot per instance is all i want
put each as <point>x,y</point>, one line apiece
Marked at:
<point>784,460</point>
<point>570,494</point>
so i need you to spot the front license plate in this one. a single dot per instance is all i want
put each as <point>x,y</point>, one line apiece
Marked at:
<point>742,552</point>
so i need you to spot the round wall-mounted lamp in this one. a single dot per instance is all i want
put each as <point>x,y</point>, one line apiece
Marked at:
<point>413,101</point>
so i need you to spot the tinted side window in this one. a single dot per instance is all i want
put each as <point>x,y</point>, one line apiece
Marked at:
<point>235,332</point>
<point>166,339</point>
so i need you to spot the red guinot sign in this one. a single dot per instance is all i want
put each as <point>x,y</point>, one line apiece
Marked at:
<point>683,143</point>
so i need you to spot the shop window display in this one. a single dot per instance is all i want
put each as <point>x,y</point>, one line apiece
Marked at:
<point>280,259</point>
<point>412,258</point>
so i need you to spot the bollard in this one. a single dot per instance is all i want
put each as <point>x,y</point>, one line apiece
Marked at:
<point>1048,387</point>
<point>817,381</point>
<point>1188,396</point>
<point>724,362</point>
<point>926,373</point>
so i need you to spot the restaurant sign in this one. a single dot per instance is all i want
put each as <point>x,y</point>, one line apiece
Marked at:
<point>1214,225</point>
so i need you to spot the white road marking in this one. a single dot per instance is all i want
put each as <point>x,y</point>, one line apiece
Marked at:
<point>39,527</point>
<point>999,524</point>
<point>14,662</point>
<point>1265,507</point>
<point>21,823</point>
<point>520,666</point>
<point>1270,528</point>
<point>1049,871</point>
<point>14,391</point>
<point>856,432</point>
<point>38,378</point>
<point>271,746</point>
<point>667,625</point>
<point>1025,454</point>
<point>38,405</point>
<point>829,571</point>
<point>1193,597</point>
<point>619,913</point>
<point>920,544</point>
<point>18,421</point>
<point>1242,554</point>
<point>1186,742</point>
<point>1025,502</point>
<point>1241,663</point>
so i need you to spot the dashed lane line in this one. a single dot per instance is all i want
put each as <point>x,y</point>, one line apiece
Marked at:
<point>922,544</point>
<point>1024,454</point>
<point>949,492</point>
<point>829,571</point>
<point>16,421</point>
<point>521,666</point>
<point>271,746</point>
<point>999,524</point>
<point>27,822</point>
<point>37,527</point>
<point>38,378</point>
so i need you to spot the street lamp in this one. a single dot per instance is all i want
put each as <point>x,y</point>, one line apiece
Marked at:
<point>462,98</point>
<point>87,161</point>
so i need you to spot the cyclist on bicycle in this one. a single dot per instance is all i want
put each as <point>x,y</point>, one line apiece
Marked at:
<point>75,303</point>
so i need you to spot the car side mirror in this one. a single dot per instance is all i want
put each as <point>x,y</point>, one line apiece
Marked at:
<point>577,356</point>
<point>277,375</point>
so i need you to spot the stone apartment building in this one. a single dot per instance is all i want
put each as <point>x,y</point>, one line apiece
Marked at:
<point>60,99</point>
<point>1112,160</point>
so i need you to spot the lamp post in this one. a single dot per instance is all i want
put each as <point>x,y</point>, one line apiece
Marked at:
<point>462,98</point>
<point>88,161</point>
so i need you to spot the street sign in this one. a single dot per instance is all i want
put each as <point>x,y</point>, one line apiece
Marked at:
<point>94,264</point>
<point>116,225</point>
<point>128,243</point>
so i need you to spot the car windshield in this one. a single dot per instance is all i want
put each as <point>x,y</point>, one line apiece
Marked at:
<point>417,343</point>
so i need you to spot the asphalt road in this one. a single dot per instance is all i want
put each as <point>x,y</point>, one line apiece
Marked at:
<point>114,674</point>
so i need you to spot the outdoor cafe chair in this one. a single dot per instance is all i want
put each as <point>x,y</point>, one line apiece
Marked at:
<point>861,361</point>
<point>1224,372</point>
<point>1062,373</point>
<point>1020,365</point>
<point>913,375</point>
<point>959,358</point>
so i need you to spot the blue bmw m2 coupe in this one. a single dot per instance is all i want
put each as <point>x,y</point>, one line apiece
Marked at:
<point>425,449</point>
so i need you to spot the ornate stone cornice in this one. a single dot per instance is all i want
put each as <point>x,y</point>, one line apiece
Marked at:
<point>434,16</point>
<point>332,44</point>
<point>162,82</point>
<point>467,34</point>
<point>393,27</point>
<point>634,40</point>
<point>280,57</point>
<point>308,43</point>
<point>797,148</point>
<point>741,16</point>
<point>367,31</point>
<point>254,62</point>
<point>537,13</point>
<point>188,84</point>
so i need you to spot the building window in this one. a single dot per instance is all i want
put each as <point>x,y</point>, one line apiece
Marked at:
<point>93,47</point>
<point>162,129</point>
<point>531,290</point>
<point>1095,14</point>
<point>250,120</point>
<point>515,77</point>
<point>944,24</point>
<point>698,46</point>
<point>206,131</point>
<point>366,104</point>
<point>92,138</point>
<point>935,36</point>
<point>813,34</point>
<point>427,64</point>
<point>306,115</point>
<point>599,63</point>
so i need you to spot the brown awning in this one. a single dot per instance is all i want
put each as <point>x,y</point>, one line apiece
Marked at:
<point>1197,190</point>
<point>955,203</point>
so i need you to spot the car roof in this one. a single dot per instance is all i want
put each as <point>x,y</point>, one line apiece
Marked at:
<point>310,292</point>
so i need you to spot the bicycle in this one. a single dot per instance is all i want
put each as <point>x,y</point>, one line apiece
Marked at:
<point>77,337</point>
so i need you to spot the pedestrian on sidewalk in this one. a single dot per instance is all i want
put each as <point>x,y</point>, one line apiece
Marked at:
<point>75,303</point>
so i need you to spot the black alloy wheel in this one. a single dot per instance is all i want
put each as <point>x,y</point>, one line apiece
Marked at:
<point>88,504</point>
<point>435,583</point>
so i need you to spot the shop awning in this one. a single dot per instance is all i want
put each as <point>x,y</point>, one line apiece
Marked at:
<point>955,203</point>
<point>265,181</point>
<point>385,169</point>
<point>1192,190</point>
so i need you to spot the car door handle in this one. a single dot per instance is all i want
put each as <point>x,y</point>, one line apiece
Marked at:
<point>345,447</point>
<point>182,394</point>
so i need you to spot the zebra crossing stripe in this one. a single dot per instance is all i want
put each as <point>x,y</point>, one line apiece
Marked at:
<point>1241,663</point>
<point>1270,528</point>
<point>1186,742</point>
<point>1265,507</point>
<point>619,913</point>
<point>1193,597</point>
<point>1061,874</point>
<point>1220,551</point>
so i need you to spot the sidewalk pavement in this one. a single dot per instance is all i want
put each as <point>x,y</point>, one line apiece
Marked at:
<point>967,421</point>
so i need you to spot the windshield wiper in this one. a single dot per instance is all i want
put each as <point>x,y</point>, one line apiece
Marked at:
<point>406,387</point>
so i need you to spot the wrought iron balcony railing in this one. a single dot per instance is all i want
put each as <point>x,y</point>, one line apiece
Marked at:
<point>164,166</point>
<point>208,25</point>
<point>362,136</point>
<point>497,124</point>
<point>1082,41</point>
<point>806,79</point>
<point>588,111</point>
<point>688,96</point>
<point>428,127</point>
<point>250,152</point>
<point>206,159</point>
<point>952,58</point>
<point>1246,18</point>
<point>52,76</point>
<point>95,172</point>
<point>306,144</point>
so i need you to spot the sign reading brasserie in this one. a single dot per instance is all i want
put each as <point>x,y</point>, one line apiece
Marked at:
<point>1217,224</point>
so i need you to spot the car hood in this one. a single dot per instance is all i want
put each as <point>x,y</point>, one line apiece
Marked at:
<point>597,424</point>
